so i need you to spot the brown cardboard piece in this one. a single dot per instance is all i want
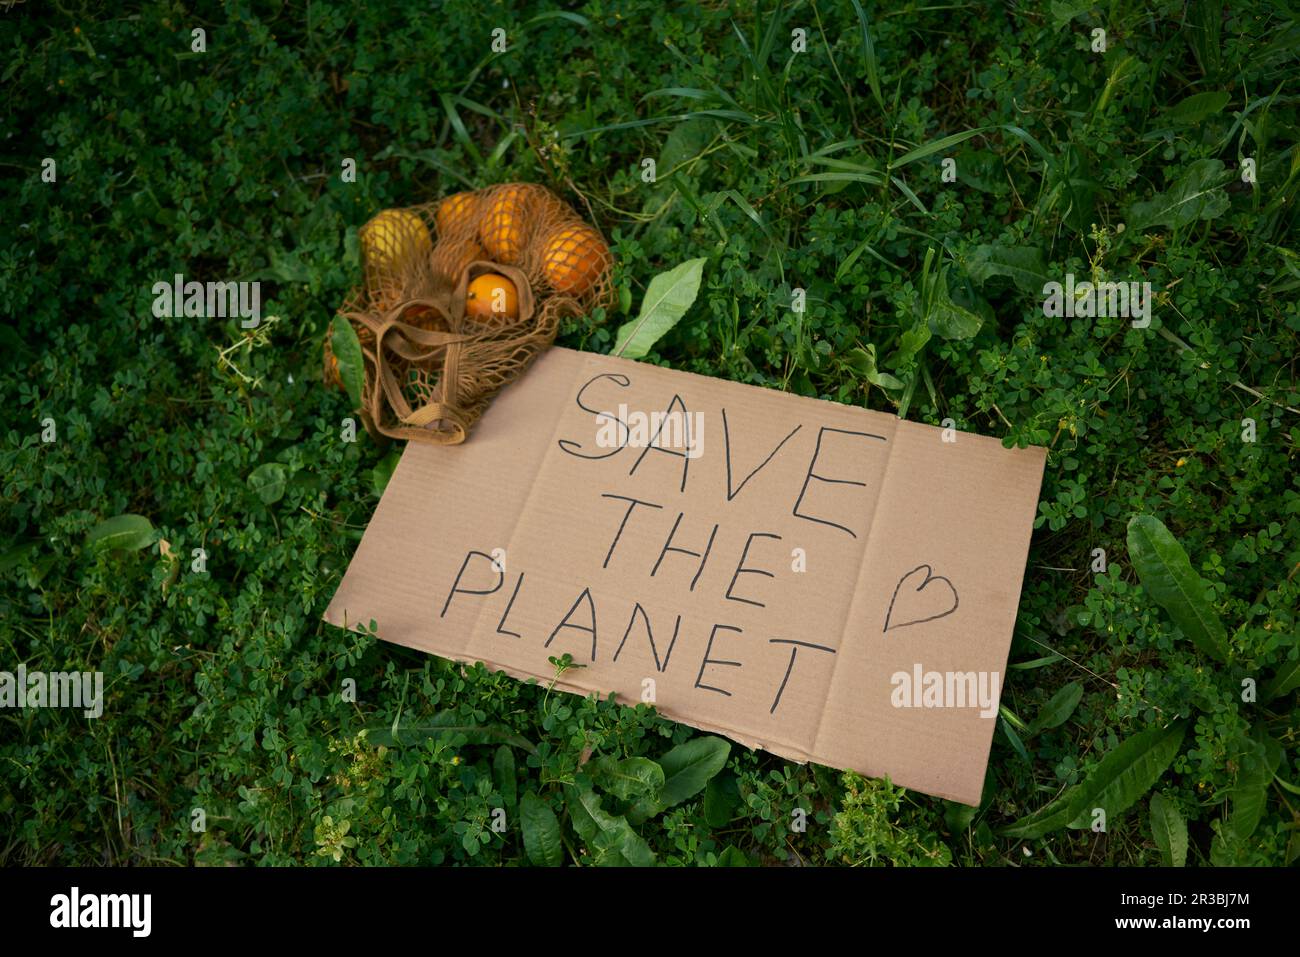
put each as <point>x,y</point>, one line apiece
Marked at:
<point>822,581</point>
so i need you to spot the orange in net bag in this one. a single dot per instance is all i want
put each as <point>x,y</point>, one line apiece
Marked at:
<point>459,297</point>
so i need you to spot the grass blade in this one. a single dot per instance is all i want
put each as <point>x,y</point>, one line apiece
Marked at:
<point>938,146</point>
<point>869,56</point>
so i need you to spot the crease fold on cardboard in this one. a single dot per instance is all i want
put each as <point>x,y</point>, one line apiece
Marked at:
<point>829,583</point>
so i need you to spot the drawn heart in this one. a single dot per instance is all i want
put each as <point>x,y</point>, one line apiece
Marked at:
<point>922,607</point>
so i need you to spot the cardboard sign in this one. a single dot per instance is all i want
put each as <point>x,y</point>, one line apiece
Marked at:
<point>822,581</point>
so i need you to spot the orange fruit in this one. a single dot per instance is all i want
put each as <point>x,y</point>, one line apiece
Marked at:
<point>451,257</point>
<point>492,298</point>
<point>393,239</point>
<point>422,317</point>
<point>332,378</point>
<point>504,227</point>
<point>457,215</point>
<point>573,258</point>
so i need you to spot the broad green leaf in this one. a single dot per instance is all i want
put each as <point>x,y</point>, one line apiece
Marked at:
<point>1250,792</point>
<point>503,775</point>
<point>287,267</point>
<point>40,568</point>
<point>352,364</point>
<point>1198,107</point>
<point>1169,578</point>
<point>1058,708</point>
<point>1063,13</point>
<point>1050,817</point>
<point>911,342</point>
<point>128,533</point>
<point>310,481</point>
<point>1198,194</point>
<point>1228,848</point>
<point>688,767</point>
<point>862,360</point>
<point>1126,773</point>
<point>721,799</point>
<point>382,473</point>
<point>1286,679</point>
<point>447,725</point>
<point>16,555</point>
<point>733,856</point>
<point>958,816</point>
<point>351,250</point>
<point>585,824</point>
<point>1169,830</point>
<point>610,840</point>
<point>628,779</point>
<point>666,300</point>
<point>541,829</point>
<point>268,482</point>
<point>685,142</point>
<point>945,318</point>
<point>1023,265</point>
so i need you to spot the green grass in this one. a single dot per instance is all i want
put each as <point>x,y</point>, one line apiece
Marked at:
<point>821,170</point>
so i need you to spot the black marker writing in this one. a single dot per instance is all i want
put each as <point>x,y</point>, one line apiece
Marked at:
<point>590,629</point>
<point>638,610</point>
<point>632,504</point>
<point>794,653</point>
<point>670,547</point>
<point>742,570</point>
<point>715,661</point>
<point>455,586</point>
<point>812,464</point>
<point>726,439</point>
<point>654,446</point>
<point>570,446</point>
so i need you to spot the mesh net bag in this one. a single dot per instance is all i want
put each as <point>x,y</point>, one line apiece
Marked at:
<point>459,297</point>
